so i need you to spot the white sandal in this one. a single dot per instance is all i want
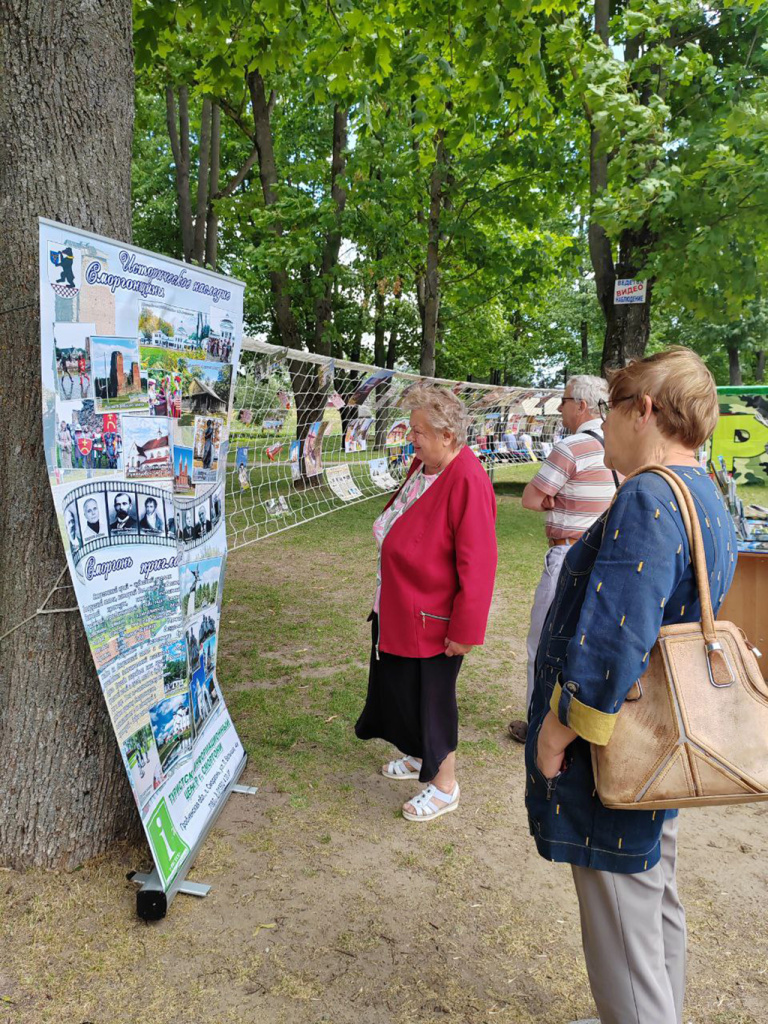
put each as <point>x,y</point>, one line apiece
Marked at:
<point>402,768</point>
<point>426,807</point>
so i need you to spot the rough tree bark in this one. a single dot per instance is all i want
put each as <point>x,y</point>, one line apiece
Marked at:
<point>65,153</point>
<point>627,328</point>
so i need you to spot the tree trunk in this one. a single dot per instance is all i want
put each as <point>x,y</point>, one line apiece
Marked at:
<point>583,300</point>
<point>379,348</point>
<point>332,244</point>
<point>432,276</point>
<point>395,330</point>
<point>734,366</point>
<point>382,394</point>
<point>627,328</point>
<point>66,117</point>
<point>420,281</point>
<point>203,178</point>
<point>212,219</point>
<point>600,248</point>
<point>584,329</point>
<point>760,366</point>
<point>287,327</point>
<point>626,334</point>
<point>179,136</point>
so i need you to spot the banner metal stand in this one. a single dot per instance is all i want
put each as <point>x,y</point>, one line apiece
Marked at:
<point>152,901</point>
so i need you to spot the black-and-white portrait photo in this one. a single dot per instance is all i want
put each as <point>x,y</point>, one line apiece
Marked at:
<point>92,510</point>
<point>170,518</point>
<point>73,529</point>
<point>123,516</point>
<point>217,502</point>
<point>186,525</point>
<point>203,524</point>
<point>152,518</point>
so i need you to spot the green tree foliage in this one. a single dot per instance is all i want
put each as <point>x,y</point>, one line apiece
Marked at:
<point>674,95</point>
<point>412,184</point>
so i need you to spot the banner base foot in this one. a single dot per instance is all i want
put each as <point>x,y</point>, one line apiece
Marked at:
<point>248,790</point>
<point>194,888</point>
<point>152,901</point>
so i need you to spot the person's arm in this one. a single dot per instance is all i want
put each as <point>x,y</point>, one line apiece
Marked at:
<point>535,499</point>
<point>555,472</point>
<point>638,568</point>
<point>472,515</point>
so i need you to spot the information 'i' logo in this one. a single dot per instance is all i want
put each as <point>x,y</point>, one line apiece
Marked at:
<point>168,847</point>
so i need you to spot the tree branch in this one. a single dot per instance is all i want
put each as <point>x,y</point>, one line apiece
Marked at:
<point>239,178</point>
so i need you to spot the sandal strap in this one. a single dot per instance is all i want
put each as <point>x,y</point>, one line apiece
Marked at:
<point>402,766</point>
<point>424,802</point>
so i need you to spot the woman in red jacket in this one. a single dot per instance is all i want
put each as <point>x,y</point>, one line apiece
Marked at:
<point>437,562</point>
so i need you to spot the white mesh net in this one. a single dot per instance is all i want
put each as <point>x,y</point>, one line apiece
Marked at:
<point>310,435</point>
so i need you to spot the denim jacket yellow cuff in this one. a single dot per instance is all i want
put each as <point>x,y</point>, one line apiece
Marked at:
<point>592,725</point>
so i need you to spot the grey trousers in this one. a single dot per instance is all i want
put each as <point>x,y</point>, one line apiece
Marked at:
<point>633,933</point>
<point>543,598</point>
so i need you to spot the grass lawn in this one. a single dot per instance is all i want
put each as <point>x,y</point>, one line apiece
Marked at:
<point>326,905</point>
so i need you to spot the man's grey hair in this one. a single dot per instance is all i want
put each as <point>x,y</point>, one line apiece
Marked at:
<point>591,390</point>
<point>442,408</point>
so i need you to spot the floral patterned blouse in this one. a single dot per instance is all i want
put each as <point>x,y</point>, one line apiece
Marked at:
<point>408,495</point>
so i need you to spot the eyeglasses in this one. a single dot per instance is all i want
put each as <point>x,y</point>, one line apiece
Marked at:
<point>566,398</point>
<point>604,407</point>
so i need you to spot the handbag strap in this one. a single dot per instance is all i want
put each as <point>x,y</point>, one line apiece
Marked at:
<point>601,439</point>
<point>692,525</point>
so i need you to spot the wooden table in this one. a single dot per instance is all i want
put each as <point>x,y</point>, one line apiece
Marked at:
<point>747,602</point>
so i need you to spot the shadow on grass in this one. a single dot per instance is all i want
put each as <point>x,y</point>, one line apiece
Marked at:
<point>512,488</point>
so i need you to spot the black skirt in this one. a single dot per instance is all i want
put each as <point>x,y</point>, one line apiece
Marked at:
<point>411,703</point>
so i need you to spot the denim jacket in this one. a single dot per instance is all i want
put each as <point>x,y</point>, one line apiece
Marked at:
<point>628,575</point>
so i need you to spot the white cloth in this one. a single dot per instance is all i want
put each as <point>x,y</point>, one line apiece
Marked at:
<point>543,598</point>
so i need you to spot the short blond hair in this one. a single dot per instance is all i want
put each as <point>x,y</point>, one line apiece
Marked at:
<point>682,390</point>
<point>443,409</point>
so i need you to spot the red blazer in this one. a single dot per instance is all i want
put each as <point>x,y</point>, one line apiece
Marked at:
<point>438,564</point>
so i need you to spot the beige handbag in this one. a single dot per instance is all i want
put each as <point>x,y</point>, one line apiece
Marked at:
<point>694,728</point>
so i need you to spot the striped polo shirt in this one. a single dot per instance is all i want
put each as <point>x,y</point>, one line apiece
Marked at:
<point>575,475</point>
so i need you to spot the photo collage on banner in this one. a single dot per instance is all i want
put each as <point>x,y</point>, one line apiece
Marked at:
<point>138,356</point>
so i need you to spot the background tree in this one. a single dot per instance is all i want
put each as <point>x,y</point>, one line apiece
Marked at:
<point>673,94</point>
<point>65,152</point>
<point>466,165</point>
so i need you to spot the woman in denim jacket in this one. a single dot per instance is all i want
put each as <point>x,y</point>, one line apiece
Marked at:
<point>629,574</point>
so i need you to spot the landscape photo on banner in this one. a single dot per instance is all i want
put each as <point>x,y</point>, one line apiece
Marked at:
<point>138,353</point>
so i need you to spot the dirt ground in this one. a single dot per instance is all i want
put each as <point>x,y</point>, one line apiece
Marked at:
<point>326,905</point>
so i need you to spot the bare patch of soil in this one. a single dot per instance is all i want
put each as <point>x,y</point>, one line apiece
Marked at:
<point>327,906</point>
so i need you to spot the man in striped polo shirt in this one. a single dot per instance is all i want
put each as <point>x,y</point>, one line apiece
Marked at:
<point>573,487</point>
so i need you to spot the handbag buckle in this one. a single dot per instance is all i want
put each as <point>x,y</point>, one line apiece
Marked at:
<point>639,694</point>
<point>715,647</point>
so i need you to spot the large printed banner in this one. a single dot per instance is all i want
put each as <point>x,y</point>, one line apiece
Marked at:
<point>138,356</point>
